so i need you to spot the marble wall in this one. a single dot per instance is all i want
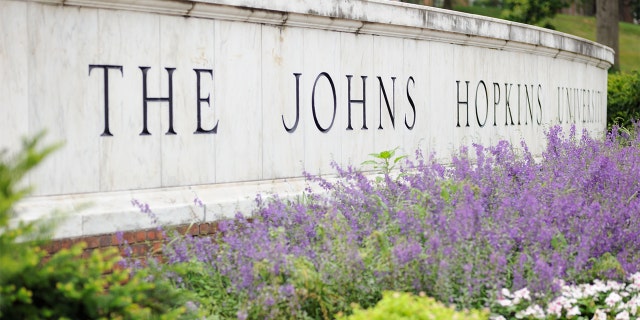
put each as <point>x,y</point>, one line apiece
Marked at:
<point>249,94</point>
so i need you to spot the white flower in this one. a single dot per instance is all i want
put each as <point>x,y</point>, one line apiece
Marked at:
<point>599,315</point>
<point>635,280</point>
<point>505,292</point>
<point>614,286</point>
<point>599,286</point>
<point>590,291</point>
<point>498,318</point>
<point>575,293</point>
<point>575,311</point>
<point>533,311</point>
<point>555,307</point>
<point>634,286</point>
<point>505,302</point>
<point>633,304</point>
<point>624,315</point>
<point>522,294</point>
<point>613,299</point>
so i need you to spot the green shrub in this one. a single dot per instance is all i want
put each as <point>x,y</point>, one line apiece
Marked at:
<point>67,286</point>
<point>623,98</point>
<point>72,287</point>
<point>395,305</point>
<point>212,289</point>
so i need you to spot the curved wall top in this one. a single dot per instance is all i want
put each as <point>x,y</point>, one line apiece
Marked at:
<point>166,100</point>
<point>378,17</point>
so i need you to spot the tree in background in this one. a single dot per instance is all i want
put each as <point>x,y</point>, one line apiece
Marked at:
<point>532,11</point>
<point>607,27</point>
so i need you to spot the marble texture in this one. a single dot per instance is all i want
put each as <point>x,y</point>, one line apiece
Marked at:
<point>14,74</point>
<point>283,151</point>
<point>60,49</point>
<point>249,53</point>
<point>238,86</point>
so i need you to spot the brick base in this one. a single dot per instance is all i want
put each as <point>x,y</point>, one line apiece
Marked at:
<point>142,242</point>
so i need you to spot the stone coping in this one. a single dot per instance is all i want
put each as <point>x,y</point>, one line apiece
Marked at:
<point>377,17</point>
<point>85,214</point>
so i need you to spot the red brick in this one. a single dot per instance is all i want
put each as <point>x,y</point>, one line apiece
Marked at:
<point>156,247</point>
<point>129,237</point>
<point>105,241</point>
<point>114,240</point>
<point>92,242</point>
<point>141,236</point>
<point>182,229</point>
<point>65,244</point>
<point>139,249</point>
<point>205,228</point>
<point>154,235</point>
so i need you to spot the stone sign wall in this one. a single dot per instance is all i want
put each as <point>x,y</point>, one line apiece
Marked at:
<point>166,101</point>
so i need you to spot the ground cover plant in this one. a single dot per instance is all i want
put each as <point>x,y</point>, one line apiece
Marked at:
<point>493,219</point>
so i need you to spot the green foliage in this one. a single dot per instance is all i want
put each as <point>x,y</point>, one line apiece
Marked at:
<point>15,254</point>
<point>73,287</point>
<point>532,11</point>
<point>68,286</point>
<point>606,266</point>
<point>623,98</point>
<point>395,305</point>
<point>384,161</point>
<point>209,286</point>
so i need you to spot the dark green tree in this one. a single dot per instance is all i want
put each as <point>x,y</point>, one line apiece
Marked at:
<point>532,11</point>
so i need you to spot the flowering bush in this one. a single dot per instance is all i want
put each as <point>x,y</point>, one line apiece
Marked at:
<point>600,300</point>
<point>493,219</point>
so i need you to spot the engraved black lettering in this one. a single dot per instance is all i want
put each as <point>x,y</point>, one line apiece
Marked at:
<point>295,124</point>
<point>496,101</point>
<point>559,106</point>
<point>201,100</point>
<point>465,102</point>
<point>105,68</point>
<point>412,104</point>
<point>486,105</point>
<point>539,120</point>
<point>507,111</point>
<point>146,99</point>
<point>518,104</point>
<point>363,101</point>
<point>529,104</point>
<point>383,93</point>
<point>313,102</point>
